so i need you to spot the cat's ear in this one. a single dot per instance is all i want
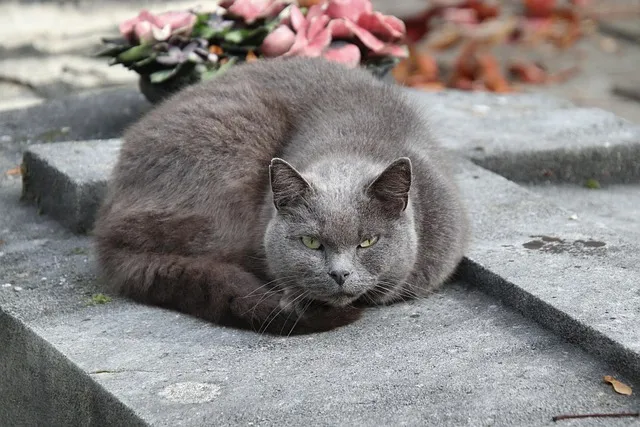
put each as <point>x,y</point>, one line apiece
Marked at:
<point>392,186</point>
<point>287,185</point>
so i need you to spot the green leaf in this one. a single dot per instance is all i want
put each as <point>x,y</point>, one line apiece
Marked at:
<point>245,35</point>
<point>145,61</point>
<point>136,53</point>
<point>111,51</point>
<point>236,36</point>
<point>219,71</point>
<point>592,184</point>
<point>163,75</point>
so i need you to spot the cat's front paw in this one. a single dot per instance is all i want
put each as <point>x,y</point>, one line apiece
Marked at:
<point>316,316</point>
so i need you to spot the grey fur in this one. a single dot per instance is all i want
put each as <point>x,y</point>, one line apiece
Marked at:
<point>192,223</point>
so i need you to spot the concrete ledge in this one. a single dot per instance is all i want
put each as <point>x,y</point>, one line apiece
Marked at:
<point>574,277</point>
<point>69,180</point>
<point>581,260</point>
<point>92,115</point>
<point>534,139</point>
<point>42,387</point>
<point>409,363</point>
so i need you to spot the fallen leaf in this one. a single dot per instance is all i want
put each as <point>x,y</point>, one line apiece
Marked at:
<point>444,38</point>
<point>251,57</point>
<point>215,49</point>
<point>401,72</point>
<point>592,184</point>
<point>539,8</point>
<point>619,387</point>
<point>491,74</point>
<point>426,66</point>
<point>429,86</point>
<point>528,72</point>
<point>608,45</point>
<point>14,171</point>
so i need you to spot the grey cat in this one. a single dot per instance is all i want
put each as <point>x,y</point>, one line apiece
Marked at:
<point>283,196</point>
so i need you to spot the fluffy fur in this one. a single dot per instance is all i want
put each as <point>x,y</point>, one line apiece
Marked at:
<point>216,189</point>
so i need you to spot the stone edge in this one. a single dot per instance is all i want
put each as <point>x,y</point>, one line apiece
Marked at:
<point>544,313</point>
<point>40,383</point>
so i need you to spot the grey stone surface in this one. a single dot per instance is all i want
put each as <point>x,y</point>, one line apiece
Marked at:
<point>173,370</point>
<point>457,358</point>
<point>67,180</point>
<point>93,115</point>
<point>615,206</point>
<point>528,138</point>
<point>40,386</point>
<point>627,29</point>
<point>574,277</point>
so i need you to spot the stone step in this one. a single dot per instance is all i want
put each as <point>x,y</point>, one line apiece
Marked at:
<point>410,363</point>
<point>574,277</point>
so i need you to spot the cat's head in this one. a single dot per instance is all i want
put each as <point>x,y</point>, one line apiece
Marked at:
<point>341,230</point>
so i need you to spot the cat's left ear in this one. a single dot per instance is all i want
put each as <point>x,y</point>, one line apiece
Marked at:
<point>392,186</point>
<point>287,185</point>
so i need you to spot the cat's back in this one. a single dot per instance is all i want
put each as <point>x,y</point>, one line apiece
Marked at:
<point>228,129</point>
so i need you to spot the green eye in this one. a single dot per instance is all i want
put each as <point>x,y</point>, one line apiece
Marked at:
<point>311,242</point>
<point>369,242</point>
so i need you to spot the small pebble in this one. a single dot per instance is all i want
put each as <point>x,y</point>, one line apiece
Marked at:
<point>481,109</point>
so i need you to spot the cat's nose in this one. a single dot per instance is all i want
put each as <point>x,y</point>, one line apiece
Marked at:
<point>340,276</point>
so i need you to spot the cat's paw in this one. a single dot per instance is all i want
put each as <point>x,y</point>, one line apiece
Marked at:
<point>273,312</point>
<point>317,316</point>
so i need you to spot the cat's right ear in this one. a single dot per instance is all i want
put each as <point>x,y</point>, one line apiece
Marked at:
<point>287,185</point>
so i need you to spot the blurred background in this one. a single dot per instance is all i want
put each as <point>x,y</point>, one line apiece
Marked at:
<point>587,51</point>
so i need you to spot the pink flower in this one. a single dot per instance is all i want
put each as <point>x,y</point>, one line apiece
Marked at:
<point>356,18</point>
<point>147,27</point>
<point>308,36</point>
<point>348,9</point>
<point>345,20</point>
<point>251,10</point>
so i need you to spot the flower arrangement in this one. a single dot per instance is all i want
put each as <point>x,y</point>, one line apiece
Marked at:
<point>177,48</point>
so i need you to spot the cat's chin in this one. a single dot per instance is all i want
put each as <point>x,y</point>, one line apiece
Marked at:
<point>291,302</point>
<point>341,300</point>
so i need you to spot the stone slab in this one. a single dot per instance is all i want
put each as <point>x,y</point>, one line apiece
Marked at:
<point>614,206</point>
<point>67,180</point>
<point>626,29</point>
<point>457,358</point>
<point>100,114</point>
<point>630,91</point>
<point>524,137</point>
<point>532,138</point>
<point>575,277</point>
<point>521,215</point>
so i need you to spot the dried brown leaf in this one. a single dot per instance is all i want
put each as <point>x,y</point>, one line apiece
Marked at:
<point>215,49</point>
<point>619,387</point>
<point>401,72</point>
<point>14,171</point>
<point>444,38</point>
<point>251,57</point>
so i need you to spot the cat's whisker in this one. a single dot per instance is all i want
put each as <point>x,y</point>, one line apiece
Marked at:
<point>304,310</point>
<point>302,294</point>
<point>265,296</point>
<point>276,280</point>
<point>272,317</point>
